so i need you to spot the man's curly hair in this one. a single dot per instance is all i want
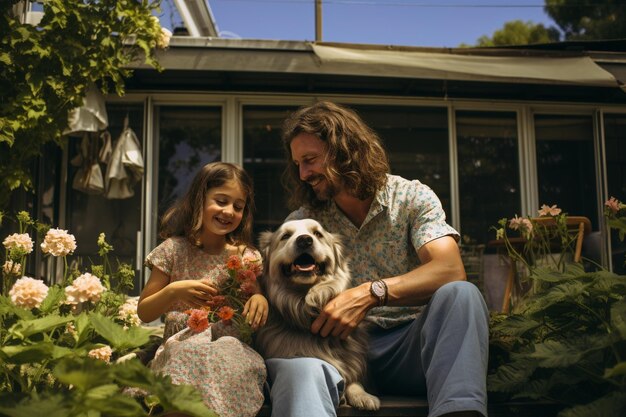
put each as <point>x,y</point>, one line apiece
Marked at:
<point>355,161</point>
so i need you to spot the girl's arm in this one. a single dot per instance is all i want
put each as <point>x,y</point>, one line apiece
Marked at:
<point>256,309</point>
<point>159,294</point>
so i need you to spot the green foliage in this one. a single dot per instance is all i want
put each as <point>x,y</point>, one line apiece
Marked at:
<point>517,32</point>
<point>45,71</point>
<point>63,356</point>
<point>589,19</point>
<point>565,341</point>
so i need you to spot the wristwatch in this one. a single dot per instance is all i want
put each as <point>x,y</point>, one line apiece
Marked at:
<point>378,289</point>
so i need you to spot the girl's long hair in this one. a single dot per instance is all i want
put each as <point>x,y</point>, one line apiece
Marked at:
<point>184,218</point>
<point>355,159</point>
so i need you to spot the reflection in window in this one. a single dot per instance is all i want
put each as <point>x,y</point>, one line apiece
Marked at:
<point>264,160</point>
<point>488,170</point>
<point>565,164</point>
<point>88,215</point>
<point>189,138</point>
<point>416,140</point>
<point>615,143</point>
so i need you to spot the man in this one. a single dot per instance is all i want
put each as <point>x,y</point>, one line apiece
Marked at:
<point>403,255</point>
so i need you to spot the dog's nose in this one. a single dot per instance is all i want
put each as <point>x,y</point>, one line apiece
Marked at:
<point>304,241</point>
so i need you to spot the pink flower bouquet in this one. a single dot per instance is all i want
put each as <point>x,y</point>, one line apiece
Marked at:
<point>236,282</point>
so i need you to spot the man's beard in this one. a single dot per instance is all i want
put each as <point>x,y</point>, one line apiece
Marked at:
<point>327,190</point>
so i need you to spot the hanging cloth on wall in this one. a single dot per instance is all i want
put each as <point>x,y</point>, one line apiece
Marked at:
<point>88,178</point>
<point>90,117</point>
<point>125,167</point>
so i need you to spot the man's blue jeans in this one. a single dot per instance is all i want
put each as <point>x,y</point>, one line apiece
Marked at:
<point>442,354</point>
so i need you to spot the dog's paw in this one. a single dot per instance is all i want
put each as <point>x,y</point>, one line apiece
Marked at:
<point>314,298</point>
<point>357,397</point>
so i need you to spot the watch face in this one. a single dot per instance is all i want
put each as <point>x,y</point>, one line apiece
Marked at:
<point>378,289</point>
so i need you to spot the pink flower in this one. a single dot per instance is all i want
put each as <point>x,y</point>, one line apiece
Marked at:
<point>58,243</point>
<point>546,210</point>
<point>104,353</point>
<point>248,287</point>
<point>246,275</point>
<point>128,312</point>
<point>28,292</point>
<point>11,268</point>
<point>198,320</point>
<point>613,204</point>
<point>217,301</point>
<point>86,287</point>
<point>233,262</point>
<point>19,241</point>
<point>522,224</point>
<point>226,313</point>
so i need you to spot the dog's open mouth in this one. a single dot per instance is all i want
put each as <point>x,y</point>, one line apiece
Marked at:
<point>304,265</point>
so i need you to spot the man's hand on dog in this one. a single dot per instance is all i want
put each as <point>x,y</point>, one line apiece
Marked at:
<point>343,313</point>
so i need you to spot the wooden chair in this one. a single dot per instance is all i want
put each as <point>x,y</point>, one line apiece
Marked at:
<point>579,225</point>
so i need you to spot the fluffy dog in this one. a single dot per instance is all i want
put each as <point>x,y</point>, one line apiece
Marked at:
<point>304,269</point>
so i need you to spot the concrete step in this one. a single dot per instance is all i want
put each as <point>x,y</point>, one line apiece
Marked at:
<point>418,407</point>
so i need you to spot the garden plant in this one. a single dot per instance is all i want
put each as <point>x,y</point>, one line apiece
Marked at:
<point>63,345</point>
<point>565,339</point>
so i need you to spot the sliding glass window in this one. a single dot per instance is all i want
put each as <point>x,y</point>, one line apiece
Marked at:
<point>416,140</point>
<point>488,171</point>
<point>188,138</point>
<point>566,164</point>
<point>264,160</point>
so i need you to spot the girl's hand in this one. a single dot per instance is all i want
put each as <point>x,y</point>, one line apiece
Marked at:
<point>192,292</point>
<point>255,311</point>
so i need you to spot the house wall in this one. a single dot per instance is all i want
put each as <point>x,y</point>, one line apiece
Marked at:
<point>486,159</point>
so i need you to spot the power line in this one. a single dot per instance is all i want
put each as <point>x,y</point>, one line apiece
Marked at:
<point>396,3</point>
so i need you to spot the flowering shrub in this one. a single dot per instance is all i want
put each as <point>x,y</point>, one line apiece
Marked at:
<point>536,251</point>
<point>236,282</point>
<point>566,340</point>
<point>615,213</point>
<point>60,343</point>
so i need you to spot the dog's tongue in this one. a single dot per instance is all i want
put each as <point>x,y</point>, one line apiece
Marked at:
<point>304,268</point>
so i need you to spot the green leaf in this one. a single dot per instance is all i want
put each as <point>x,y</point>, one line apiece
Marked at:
<point>115,405</point>
<point>611,405</point>
<point>616,371</point>
<point>5,58</point>
<point>510,377</point>
<point>46,405</point>
<point>27,354</point>
<point>516,325</point>
<point>618,317</point>
<point>83,328</point>
<point>120,338</point>
<point>553,354</point>
<point>83,373</point>
<point>102,392</point>
<point>24,329</point>
<point>51,302</point>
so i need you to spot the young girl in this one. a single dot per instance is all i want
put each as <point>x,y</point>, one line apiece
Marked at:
<point>212,222</point>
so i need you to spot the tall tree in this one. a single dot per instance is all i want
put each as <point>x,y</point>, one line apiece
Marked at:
<point>589,19</point>
<point>45,70</point>
<point>517,32</point>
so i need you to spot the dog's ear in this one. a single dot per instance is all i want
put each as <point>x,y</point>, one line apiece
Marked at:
<point>265,238</point>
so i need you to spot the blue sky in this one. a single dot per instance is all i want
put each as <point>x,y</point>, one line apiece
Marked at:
<point>429,23</point>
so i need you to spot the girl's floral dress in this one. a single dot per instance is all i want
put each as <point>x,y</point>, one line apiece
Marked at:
<point>228,373</point>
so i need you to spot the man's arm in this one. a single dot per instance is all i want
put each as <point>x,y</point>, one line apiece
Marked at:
<point>440,263</point>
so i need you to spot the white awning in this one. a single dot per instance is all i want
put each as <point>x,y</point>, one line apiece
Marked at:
<point>572,70</point>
